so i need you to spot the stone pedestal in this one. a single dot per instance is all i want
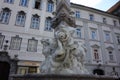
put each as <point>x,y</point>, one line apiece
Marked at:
<point>61,77</point>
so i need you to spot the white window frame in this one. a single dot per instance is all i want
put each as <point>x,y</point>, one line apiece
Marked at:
<point>78,33</point>
<point>93,47</point>
<point>77,14</point>
<point>40,4</point>
<point>111,49</point>
<point>32,45</point>
<point>118,38</point>
<point>114,22</point>
<point>50,6</point>
<point>35,22</point>
<point>94,34</point>
<point>24,3</point>
<point>5,16</point>
<point>15,43</point>
<point>9,1</point>
<point>20,19</point>
<point>107,36</point>
<point>2,37</point>
<point>48,24</point>
<point>91,17</point>
<point>104,20</point>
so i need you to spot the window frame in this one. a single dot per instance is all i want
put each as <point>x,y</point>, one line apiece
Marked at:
<point>91,17</point>
<point>104,20</point>
<point>38,22</point>
<point>40,4</point>
<point>23,14</point>
<point>48,24</point>
<point>1,45</point>
<point>12,41</point>
<point>50,6</point>
<point>114,22</point>
<point>28,44</point>
<point>7,13</point>
<point>78,32</point>
<point>107,39</point>
<point>10,1</point>
<point>27,1</point>
<point>77,14</point>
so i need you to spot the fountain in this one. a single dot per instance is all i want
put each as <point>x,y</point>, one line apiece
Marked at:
<point>64,57</point>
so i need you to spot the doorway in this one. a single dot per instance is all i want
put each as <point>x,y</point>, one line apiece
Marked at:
<point>4,70</point>
<point>98,72</point>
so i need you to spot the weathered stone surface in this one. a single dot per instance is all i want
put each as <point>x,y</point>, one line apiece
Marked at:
<point>61,77</point>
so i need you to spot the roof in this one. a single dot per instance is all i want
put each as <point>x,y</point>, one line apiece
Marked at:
<point>93,9</point>
<point>114,7</point>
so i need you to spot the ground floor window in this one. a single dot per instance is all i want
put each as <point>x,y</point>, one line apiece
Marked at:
<point>26,70</point>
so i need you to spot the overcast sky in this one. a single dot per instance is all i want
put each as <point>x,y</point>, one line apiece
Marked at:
<point>98,4</point>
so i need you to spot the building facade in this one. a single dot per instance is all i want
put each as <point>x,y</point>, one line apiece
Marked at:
<point>23,23</point>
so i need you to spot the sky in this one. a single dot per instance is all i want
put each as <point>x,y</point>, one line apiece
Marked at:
<point>103,5</point>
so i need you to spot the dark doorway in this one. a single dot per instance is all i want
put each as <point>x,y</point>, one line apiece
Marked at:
<point>4,70</point>
<point>98,72</point>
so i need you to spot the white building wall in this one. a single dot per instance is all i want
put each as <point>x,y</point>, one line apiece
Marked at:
<point>11,30</point>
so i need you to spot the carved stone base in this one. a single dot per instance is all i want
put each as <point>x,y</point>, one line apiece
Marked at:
<point>61,77</point>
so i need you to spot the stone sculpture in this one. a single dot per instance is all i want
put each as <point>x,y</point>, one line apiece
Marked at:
<point>63,55</point>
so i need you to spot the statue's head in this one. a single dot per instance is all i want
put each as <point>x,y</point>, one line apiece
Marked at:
<point>64,32</point>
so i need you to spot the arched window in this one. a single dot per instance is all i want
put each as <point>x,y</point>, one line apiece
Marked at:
<point>50,6</point>
<point>48,24</point>
<point>5,15</point>
<point>35,22</point>
<point>20,19</point>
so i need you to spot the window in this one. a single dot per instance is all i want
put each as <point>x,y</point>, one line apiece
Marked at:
<point>35,22</point>
<point>78,33</point>
<point>50,6</point>
<point>32,70</point>
<point>1,40</point>
<point>20,19</point>
<point>107,36</point>
<point>48,24</point>
<point>94,34</point>
<point>25,70</point>
<point>96,54</point>
<point>91,17</point>
<point>15,43</point>
<point>104,20</point>
<point>23,2</point>
<point>32,45</point>
<point>77,14</point>
<point>37,4</point>
<point>111,57</point>
<point>5,15</point>
<point>115,22</point>
<point>9,1</point>
<point>118,39</point>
